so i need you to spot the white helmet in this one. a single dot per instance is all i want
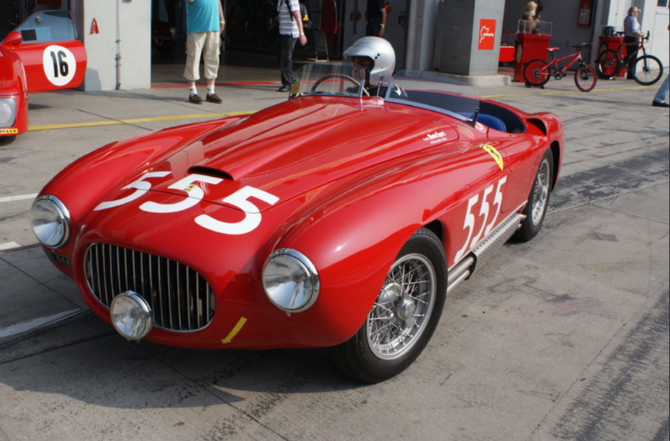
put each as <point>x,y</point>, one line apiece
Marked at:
<point>383,57</point>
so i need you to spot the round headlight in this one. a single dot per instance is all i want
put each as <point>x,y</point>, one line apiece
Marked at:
<point>131,315</point>
<point>290,281</point>
<point>50,220</point>
<point>7,112</point>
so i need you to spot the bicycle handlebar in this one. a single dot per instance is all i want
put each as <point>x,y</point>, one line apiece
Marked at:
<point>579,46</point>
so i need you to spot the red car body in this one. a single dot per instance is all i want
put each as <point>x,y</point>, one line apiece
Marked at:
<point>346,181</point>
<point>34,59</point>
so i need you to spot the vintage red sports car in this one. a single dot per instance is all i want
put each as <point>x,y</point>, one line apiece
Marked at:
<point>41,54</point>
<point>339,218</point>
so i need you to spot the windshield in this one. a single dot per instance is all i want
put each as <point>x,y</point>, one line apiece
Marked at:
<point>427,90</point>
<point>47,26</point>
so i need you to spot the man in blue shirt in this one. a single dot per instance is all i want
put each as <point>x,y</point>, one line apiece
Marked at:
<point>204,25</point>
<point>632,34</point>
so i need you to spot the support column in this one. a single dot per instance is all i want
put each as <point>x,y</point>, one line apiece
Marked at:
<point>468,36</point>
<point>117,37</point>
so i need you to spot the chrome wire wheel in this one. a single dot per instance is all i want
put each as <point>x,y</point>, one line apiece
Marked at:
<point>401,312</point>
<point>541,193</point>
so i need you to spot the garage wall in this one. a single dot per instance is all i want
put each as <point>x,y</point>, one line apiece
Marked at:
<point>117,36</point>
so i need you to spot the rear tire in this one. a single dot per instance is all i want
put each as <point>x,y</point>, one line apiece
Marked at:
<point>538,201</point>
<point>535,73</point>
<point>648,70</point>
<point>585,78</point>
<point>607,64</point>
<point>404,315</point>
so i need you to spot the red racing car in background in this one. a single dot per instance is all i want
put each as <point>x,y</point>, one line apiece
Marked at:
<point>339,218</point>
<point>41,54</point>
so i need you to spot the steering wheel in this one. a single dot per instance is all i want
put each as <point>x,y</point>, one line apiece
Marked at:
<point>337,75</point>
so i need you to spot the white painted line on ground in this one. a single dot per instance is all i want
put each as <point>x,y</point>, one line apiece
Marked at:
<point>9,246</point>
<point>18,198</point>
<point>20,328</point>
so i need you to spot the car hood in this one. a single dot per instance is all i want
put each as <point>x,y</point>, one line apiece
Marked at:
<point>292,148</point>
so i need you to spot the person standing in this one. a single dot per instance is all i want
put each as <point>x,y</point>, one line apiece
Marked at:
<point>661,98</point>
<point>376,17</point>
<point>631,39</point>
<point>290,31</point>
<point>204,26</point>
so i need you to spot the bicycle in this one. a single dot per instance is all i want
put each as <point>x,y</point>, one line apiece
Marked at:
<point>647,68</point>
<point>538,72</point>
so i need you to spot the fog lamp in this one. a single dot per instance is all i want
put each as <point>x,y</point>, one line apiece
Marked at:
<point>131,315</point>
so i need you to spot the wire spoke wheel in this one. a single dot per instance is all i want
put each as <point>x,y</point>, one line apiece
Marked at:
<point>540,193</point>
<point>538,200</point>
<point>648,70</point>
<point>585,78</point>
<point>401,312</point>
<point>404,315</point>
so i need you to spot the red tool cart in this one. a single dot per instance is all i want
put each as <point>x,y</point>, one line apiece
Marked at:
<point>532,41</point>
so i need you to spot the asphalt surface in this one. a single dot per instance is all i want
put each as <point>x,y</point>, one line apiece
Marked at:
<point>561,338</point>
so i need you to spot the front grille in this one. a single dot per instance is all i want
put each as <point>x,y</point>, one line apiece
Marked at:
<point>180,298</point>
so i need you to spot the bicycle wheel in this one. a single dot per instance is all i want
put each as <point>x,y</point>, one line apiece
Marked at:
<point>648,70</point>
<point>608,64</point>
<point>536,73</point>
<point>585,78</point>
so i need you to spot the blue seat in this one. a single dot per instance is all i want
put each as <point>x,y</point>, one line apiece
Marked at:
<point>488,120</point>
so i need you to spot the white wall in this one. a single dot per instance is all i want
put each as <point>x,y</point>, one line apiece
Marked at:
<point>119,56</point>
<point>653,19</point>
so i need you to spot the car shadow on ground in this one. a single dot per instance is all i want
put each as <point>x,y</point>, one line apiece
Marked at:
<point>86,360</point>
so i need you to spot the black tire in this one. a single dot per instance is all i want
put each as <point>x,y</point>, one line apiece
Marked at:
<point>411,300</point>
<point>648,70</point>
<point>538,201</point>
<point>608,64</point>
<point>535,74</point>
<point>585,78</point>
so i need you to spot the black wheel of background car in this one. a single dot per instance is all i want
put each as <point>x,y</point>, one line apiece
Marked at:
<point>648,70</point>
<point>585,78</point>
<point>536,207</point>
<point>336,76</point>
<point>607,64</point>
<point>404,316</point>
<point>6,140</point>
<point>535,73</point>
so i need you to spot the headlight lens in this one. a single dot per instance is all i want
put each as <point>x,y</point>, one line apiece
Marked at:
<point>7,112</point>
<point>131,315</point>
<point>291,281</point>
<point>50,220</point>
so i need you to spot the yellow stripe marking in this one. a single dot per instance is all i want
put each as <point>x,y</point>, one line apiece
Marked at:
<point>135,121</point>
<point>224,114</point>
<point>234,332</point>
<point>564,92</point>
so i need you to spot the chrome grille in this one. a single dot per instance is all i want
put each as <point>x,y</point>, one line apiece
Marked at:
<point>180,298</point>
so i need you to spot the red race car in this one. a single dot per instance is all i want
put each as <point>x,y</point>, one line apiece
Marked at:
<point>339,218</point>
<point>41,54</point>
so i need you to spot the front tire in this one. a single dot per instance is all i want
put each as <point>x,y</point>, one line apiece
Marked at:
<point>538,201</point>
<point>585,78</point>
<point>648,70</point>
<point>404,315</point>
<point>535,73</point>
